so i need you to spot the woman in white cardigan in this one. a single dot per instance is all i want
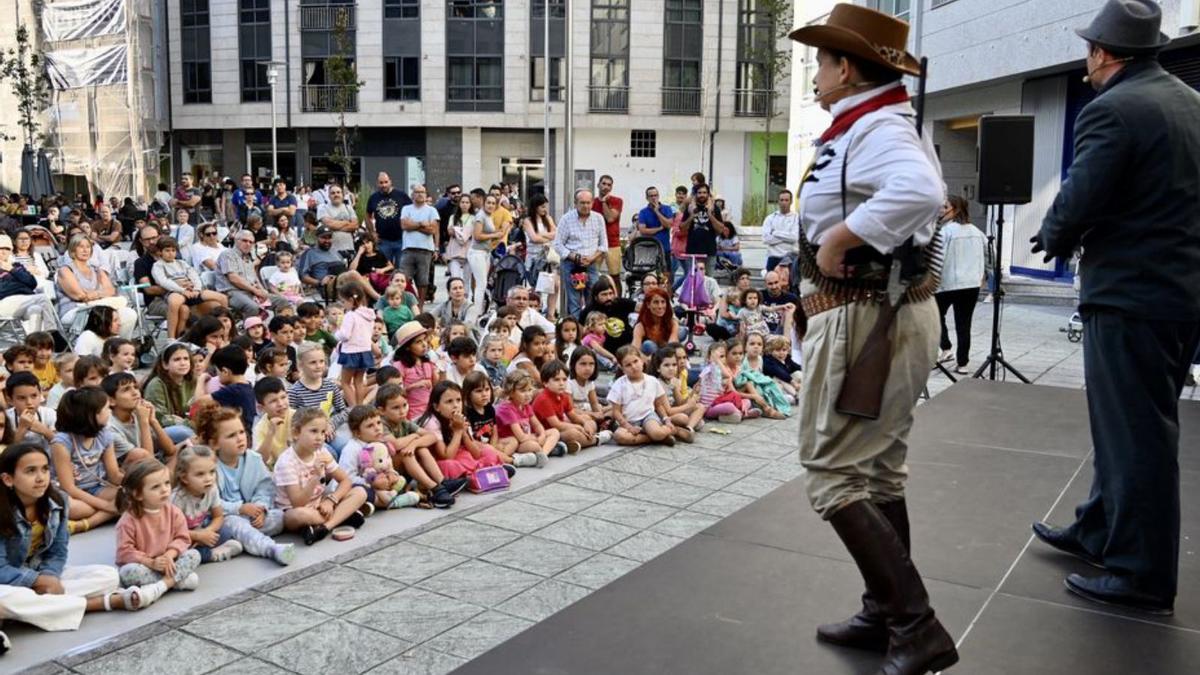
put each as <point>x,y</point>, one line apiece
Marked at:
<point>964,247</point>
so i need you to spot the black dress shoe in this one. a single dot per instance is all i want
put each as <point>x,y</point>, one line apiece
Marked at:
<point>1061,541</point>
<point>1115,591</point>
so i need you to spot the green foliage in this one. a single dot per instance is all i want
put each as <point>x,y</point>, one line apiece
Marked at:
<point>755,210</point>
<point>24,71</point>
<point>341,71</point>
<point>360,204</point>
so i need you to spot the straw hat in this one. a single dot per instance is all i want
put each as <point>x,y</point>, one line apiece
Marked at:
<point>863,33</point>
<point>408,332</point>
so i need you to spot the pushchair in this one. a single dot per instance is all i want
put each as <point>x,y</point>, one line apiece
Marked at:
<point>507,273</point>
<point>694,299</point>
<point>643,255</point>
<point>1074,327</point>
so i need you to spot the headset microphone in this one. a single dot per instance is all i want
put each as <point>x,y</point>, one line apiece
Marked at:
<point>1087,79</point>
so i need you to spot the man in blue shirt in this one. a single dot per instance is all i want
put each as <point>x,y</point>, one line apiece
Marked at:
<point>654,220</point>
<point>239,197</point>
<point>383,217</point>
<point>421,228</point>
<point>281,203</point>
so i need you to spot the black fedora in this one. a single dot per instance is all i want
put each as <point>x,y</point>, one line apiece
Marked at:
<point>1127,27</point>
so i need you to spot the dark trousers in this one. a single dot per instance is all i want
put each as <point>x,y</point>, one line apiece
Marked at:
<point>1135,369</point>
<point>963,301</point>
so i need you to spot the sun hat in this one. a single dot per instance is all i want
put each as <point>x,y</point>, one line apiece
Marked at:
<point>872,36</point>
<point>408,332</point>
<point>251,322</point>
<point>1127,27</point>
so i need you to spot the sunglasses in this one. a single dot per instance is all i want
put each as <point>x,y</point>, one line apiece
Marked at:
<point>209,233</point>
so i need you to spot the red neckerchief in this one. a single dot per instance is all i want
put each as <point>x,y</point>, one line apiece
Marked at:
<point>847,119</point>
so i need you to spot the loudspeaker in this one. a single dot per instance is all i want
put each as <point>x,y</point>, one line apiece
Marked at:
<point>1005,159</point>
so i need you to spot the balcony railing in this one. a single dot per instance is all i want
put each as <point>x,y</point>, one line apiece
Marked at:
<point>327,17</point>
<point>327,98</point>
<point>681,100</point>
<point>608,99</point>
<point>753,102</point>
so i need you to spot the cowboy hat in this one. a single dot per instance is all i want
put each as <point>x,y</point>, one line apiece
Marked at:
<point>408,332</point>
<point>1127,27</point>
<point>864,33</point>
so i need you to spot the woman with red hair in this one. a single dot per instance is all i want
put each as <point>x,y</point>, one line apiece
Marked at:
<point>657,325</point>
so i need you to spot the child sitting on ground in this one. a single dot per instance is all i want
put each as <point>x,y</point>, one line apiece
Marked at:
<point>717,395</point>
<point>684,410</point>
<point>491,358</point>
<point>417,371</point>
<point>760,389</point>
<point>554,410</point>
<point>777,362</point>
<point>313,389</point>
<point>65,365</point>
<point>133,423</point>
<point>532,352</point>
<point>566,338</point>
<point>154,548</point>
<point>459,453</point>
<point>413,456</point>
<point>639,404</point>
<point>515,418</point>
<point>753,365</point>
<point>582,385</point>
<point>594,334</point>
<point>315,494</point>
<point>481,415</point>
<point>461,352</point>
<point>235,391</point>
<point>243,479</point>
<point>44,366</point>
<point>273,429</point>
<point>26,418</point>
<point>217,535</point>
<point>121,355</point>
<point>89,371</point>
<point>362,457</point>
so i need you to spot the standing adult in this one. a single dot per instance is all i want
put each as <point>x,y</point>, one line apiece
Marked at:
<point>655,220</point>
<point>383,217</point>
<point>1132,201</point>
<point>239,197</point>
<point>609,206</point>
<point>855,469</point>
<point>340,219</point>
<point>781,230</point>
<point>581,242</point>
<point>539,229</point>
<point>187,195</point>
<point>421,224</point>
<point>700,224</point>
<point>281,203</point>
<point>484,234</point>
<point>964,249</point>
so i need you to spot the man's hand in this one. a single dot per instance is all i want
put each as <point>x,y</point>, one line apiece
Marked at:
<point>1038,247</point>
<point>829,259</point>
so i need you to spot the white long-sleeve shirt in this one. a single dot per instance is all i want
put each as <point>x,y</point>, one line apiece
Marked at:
<point>781,233</point>
<point>894,185</point>
<point>964,249</point>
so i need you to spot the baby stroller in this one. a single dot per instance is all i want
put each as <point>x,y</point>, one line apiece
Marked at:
<point>507,273</point>
<point>1074,327</point>
<point>642,256</point>
<point>694,299</point>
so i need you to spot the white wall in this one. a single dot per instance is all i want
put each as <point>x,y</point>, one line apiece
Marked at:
<point>807,119</point>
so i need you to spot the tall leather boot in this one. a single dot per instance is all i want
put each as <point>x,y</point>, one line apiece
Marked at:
<point>917,641</point>
<point>868,629</point>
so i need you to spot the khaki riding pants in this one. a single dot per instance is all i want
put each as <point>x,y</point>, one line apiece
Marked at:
<point>849,458</point>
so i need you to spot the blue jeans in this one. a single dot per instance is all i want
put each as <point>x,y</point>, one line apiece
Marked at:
<point>650,346</point>
<point>392,250</point>
<point>576,299</point>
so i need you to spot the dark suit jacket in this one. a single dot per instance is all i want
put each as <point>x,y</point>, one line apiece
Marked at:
<point>1132,197</point>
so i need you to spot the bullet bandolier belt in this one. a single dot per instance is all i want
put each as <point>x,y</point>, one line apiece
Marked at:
<point>867,278</point>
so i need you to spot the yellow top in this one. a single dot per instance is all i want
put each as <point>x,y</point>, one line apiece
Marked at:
<point>47,375</point>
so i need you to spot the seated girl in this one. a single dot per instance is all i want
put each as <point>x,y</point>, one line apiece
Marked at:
<point>760,389</point>
<point>639,404</point>
<point>458,452</point>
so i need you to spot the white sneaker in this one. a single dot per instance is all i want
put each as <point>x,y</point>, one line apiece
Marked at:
<point>604,437</point>
<point>191,583</point>
<point>525,459</point>
<point>230,549</point>
<point>945,356</point>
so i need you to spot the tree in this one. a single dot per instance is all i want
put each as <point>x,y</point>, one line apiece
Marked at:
<point>771,24</point>
<point>23,68</point>
<point>340,72</point>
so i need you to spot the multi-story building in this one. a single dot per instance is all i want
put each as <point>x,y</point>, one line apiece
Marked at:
<point>1013,57</point>
<point>454,91</point>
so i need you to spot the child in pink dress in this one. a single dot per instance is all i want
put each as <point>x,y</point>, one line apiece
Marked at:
<point>458,453</point>
<point>416,369</point>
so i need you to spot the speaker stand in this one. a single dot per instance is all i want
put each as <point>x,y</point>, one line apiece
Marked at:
<point>996,356</point>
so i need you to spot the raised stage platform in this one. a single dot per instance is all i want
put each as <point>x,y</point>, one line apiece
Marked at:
<point>987,459</point>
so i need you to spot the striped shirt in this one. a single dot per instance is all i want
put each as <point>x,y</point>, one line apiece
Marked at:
<point>327,397</point>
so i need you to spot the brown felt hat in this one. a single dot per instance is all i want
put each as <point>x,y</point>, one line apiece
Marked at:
<point>863,33</point>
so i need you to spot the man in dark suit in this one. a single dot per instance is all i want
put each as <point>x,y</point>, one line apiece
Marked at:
<point>1131,200</point>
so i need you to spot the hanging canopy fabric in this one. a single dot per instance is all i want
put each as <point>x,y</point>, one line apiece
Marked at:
<point>28,175</point>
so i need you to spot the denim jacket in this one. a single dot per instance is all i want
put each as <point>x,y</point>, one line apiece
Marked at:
<point>50,557</point>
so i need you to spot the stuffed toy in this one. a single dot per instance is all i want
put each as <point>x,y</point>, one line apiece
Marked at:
<point>375,465</point>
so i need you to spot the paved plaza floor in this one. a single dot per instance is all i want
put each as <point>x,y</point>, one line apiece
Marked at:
<point>441,588</point>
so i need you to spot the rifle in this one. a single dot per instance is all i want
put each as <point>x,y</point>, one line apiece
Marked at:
<point>862,389</point>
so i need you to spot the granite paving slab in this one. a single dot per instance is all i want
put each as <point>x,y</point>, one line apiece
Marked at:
<point>539,602</point>
<point>187,654</point>
<point>419,661</point>
<point>465,537</point>
<point>585,532</point>
<point>413,614</point>
<point>255,624</point>
<point>631,512</point>
<point>598,571</point>
<point>407,562</point>
<point>479,634</point>
<point>537,555</point>
<point>480,582</point>
<point>337,591</point>
<point>335,647</point>
<point>518,516</point>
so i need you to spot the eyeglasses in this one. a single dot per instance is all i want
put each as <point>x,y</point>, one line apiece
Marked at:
<point>209,233</point>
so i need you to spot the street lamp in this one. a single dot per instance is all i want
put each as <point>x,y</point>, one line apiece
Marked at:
<point>272,78</point>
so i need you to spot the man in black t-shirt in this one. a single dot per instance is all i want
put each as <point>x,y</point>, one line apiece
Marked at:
<point>701,224</point>
<point>383,217</point>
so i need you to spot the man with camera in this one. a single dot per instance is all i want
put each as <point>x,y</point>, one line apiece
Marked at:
<point>701,224</point>
<point>655,219</point>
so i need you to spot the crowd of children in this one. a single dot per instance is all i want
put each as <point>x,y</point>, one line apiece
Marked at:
<point>233,438</point>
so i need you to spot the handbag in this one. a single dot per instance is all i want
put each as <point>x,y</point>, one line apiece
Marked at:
<point>692,294</point>
<point>488,479</point>
<point>546,282</point>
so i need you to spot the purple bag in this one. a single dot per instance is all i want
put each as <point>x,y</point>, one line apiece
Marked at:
<point>692,292</point>
<point>488,479</point>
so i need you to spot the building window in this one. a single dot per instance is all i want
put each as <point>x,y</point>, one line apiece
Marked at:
<point>401,9</point>
<point>475,55</point>
<point>254,48</point>
<point>542,24</point>
<point>195,47</point>
<point>643,143</point>
<point>753,87</point>
<point>402,78</point>
<point>683,41</point>
<point>609,77</point>
<point>537,88</point>
<point>897,8</point>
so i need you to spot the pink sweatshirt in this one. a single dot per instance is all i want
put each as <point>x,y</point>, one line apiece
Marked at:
<point>356,330</point>
<point>141,540</point>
